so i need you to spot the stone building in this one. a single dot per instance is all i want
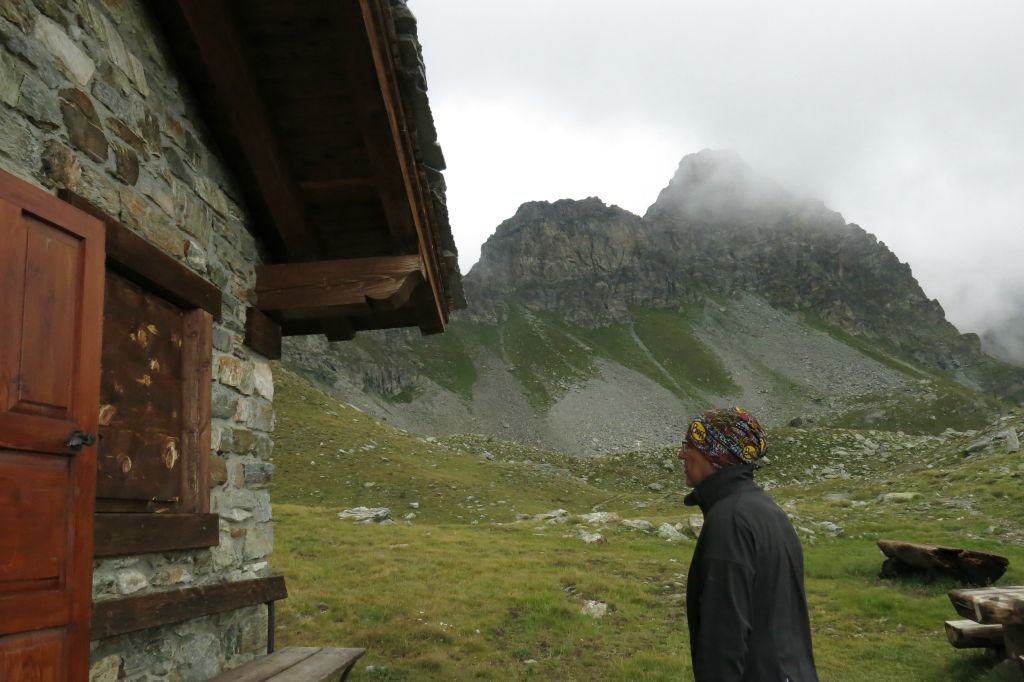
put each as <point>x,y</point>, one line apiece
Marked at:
<point>182,182</point>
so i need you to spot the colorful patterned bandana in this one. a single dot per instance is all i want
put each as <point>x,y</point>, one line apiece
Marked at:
<point>727,437</point>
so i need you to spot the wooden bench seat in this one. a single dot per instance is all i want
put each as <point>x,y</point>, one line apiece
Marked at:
<point>967,634</point>
<point>297,664</point>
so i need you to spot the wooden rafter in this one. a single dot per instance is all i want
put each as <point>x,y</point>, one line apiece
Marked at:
<point>220,48</point>
<point>384,282</point>
<point>388,142</point>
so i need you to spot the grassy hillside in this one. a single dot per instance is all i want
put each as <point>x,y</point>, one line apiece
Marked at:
<point>548,357</point>
<point>463,591</point>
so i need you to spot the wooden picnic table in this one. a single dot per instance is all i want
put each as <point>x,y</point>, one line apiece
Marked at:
<point>996,606</point>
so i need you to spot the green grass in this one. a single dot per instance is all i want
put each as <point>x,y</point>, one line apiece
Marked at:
<point>926,406</point>
<point>544,357</point>
<point>616,343</point>
<point>446,359</point>
<point>462,592</point>
<point>669,336</point>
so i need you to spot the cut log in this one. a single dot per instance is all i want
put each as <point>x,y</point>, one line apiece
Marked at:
<point>973,568</point>
<point>966,634</point>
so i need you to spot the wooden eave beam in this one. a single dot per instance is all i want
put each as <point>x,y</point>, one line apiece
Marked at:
<point>388,143</point>
<point>384,283</point>
<point>221,53</point>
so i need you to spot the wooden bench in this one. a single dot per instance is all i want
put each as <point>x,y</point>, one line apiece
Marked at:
<point>966,634</point>
<point>1002,606</point>
<point>296,664</point>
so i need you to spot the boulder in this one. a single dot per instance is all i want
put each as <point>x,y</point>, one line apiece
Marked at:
<point>367,514</point>
<point>830,528</point>
<point>591,538</point>
<point>639,524</point>
<point>554,516</point>
<point>668,532</point>
<point>976,446</point>
<point>594,609</point>
<point>695,523</point>
<point>898,497</point>
<point>597,518</point>
<point>1012,441</point>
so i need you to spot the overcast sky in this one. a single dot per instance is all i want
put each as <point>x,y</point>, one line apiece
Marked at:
<point>906,116</point>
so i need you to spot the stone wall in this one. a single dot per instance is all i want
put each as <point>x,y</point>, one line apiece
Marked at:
<point>91,100</point>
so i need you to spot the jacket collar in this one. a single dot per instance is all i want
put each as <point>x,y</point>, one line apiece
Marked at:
<point>718,485</point>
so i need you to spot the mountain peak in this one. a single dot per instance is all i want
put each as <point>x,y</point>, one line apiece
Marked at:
<point>718,186</point>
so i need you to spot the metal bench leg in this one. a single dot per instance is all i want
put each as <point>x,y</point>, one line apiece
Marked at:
<point>270,627</point>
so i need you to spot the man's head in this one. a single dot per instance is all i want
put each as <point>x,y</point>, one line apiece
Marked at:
<point>721,438</point>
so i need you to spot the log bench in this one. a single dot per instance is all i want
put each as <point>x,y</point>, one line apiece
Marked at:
<point>296,664</point>
<point>967,566</point>
<point>966,634</point>
<point>1002,606</point>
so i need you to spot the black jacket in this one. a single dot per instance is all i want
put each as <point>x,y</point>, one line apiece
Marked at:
<point>745,598</point>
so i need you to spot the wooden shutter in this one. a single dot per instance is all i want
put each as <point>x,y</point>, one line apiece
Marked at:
<point>51,305</point>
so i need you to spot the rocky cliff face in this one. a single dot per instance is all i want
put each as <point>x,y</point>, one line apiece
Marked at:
<point>717,228</point>
<point>581,258</point>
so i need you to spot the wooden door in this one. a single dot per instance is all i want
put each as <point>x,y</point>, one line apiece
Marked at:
<point>51,300</point>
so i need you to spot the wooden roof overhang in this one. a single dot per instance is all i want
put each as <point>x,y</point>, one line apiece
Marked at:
<point>316,117</point>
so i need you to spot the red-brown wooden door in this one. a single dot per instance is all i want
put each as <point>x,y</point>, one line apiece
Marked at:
<point>51,319</point>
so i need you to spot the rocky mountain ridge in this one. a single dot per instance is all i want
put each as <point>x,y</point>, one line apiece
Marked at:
<point>717,228</point>
<point>592,329</point>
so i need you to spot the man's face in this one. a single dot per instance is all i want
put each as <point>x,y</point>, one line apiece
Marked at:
<point>695,464</point>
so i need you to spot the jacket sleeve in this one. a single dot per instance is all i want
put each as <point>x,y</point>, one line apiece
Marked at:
<point>720,653</point>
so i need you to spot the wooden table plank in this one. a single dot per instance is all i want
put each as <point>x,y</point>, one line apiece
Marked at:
<point>991,605</point>
<point>266,667</point>
<point>322,666</point>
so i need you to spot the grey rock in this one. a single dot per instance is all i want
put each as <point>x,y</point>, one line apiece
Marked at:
<point>638,524</point>
<point>831,529</point>
<point>78,64</point>
<point>259,542</point>
<point>591,538</point>
<point>258,474</point>
<point>554,516</point>
<point>668,532</point>
<point>898,497</point>
<point>977,446</point>
<point>107,669</point>
<point>131,581</point>
<point>1012,441</point>
<point>367,514</point>
<point>223,340</point>
<point>597,518</point>
<point>37,101</point>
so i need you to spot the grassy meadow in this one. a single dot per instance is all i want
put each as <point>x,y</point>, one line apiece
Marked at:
<point>463,591</point>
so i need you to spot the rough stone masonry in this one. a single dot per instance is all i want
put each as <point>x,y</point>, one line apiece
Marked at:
<point>90,100</point>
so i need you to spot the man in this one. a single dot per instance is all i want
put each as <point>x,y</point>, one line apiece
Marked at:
<point>745,596</point>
